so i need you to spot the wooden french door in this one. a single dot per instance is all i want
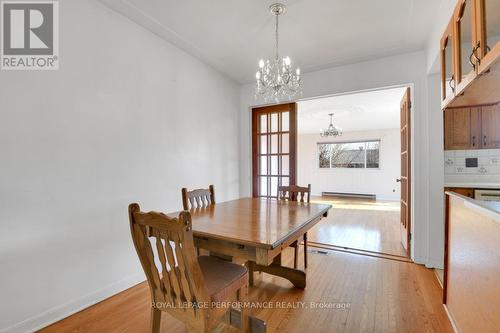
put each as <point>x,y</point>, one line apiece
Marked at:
<point>406,171</point>
<point>274,145</point>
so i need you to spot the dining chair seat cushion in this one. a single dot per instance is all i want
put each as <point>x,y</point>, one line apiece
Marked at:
<point>222,278</point>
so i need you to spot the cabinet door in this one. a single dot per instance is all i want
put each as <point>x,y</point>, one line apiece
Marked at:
<point>461,128</point>
<point>475,127</point>
<point>466,40</point>
<point>448,82</point>
<point>490,116</point>
<point>488,27</point>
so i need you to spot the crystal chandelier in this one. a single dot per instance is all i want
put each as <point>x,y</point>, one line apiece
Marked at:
<point>276,78</point>
<point>331,130</point>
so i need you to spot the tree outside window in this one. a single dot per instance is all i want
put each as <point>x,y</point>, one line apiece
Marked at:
<point>359,154</point>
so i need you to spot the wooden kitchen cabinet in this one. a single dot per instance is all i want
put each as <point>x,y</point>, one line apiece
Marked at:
<point>470,55</point>
<point>462,128</point>
<point>490,126</point>
<point>472,127</point>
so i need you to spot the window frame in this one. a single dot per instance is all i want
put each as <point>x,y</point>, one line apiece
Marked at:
<point>349,142</point>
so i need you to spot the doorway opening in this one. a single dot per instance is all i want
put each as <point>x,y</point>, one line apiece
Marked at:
<point>362,169</point>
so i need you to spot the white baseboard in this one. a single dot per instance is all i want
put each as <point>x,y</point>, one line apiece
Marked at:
<point>379,197</point>
<point>433,263</point>
<point>452,320</point>
<point>418,259</point>
<point>57,313</point>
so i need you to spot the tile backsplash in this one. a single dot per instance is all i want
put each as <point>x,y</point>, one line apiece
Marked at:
<point>488,162</point>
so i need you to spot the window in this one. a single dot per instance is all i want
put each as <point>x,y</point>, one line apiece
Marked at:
<point>359,154</point>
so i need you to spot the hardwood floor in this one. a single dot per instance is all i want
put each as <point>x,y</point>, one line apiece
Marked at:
<point>360,224</point>
<point>379,295</point>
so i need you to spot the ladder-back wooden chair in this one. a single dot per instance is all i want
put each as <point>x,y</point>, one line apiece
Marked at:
<point>179,280</point>
<point>300,194</point>
<point>198,198</point>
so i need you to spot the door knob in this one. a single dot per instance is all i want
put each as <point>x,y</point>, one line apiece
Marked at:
<point>398,180</point>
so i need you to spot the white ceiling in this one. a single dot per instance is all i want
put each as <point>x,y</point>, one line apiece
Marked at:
<point>354,112</point>
<point>232,36</point>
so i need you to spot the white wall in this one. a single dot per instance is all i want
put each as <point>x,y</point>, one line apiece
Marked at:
<point>381,181</point>
<point>398,70</point>
<point>435,181</point>
<point>128,117</point>
<point>443,13</point>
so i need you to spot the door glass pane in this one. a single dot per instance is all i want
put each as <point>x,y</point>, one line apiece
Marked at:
<point>285,165</point>
<point>274,143</point>
<point>492,8</point>
<point>263,185</point>
<point>465,26</point>
<point>274,165</point>
<point>285,181</point>
<point>263,144</point>
<point>263,123</point>
<point>274,186</point>
<point>285,121</point>
<point>274,122</point>
<point>285,143</point>
<point>263,165</point>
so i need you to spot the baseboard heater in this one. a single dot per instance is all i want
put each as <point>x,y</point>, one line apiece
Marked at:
<point>349,195</point>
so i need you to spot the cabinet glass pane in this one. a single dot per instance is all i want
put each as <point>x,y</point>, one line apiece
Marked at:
<point>285,121</point>
<point>274,143</point>
<point>449,67</point>
<point>263,123</point>
<point>285,165</point>
<point>274,122</point>
<point>492,8</point>
<point>274,186</point>
<point>263,165</point>
<point>285,143</point>
<point>274,165</point>
<point>263,185</point>
<point>466,43</point>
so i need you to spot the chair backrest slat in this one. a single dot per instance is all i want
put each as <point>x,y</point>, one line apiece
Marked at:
<point>183,276</point>
<point>181,279</point>
<point>294,193</point>
<point>166,284</point>
<point>146,257</point>
<point>198,198</point>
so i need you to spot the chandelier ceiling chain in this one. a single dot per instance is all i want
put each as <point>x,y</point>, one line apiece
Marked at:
<point>331,130</point>
<point>275,78</point>
<point>277,37</point>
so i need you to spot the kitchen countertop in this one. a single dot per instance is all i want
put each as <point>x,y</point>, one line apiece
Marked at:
<point>473,185</point>
<point>491,207</point>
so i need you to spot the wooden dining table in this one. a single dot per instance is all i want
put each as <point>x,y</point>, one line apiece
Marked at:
<point>256,230</point>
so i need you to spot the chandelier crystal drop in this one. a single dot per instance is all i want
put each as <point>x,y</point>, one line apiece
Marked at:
<point>276,78</point>
<point>331,130</point>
